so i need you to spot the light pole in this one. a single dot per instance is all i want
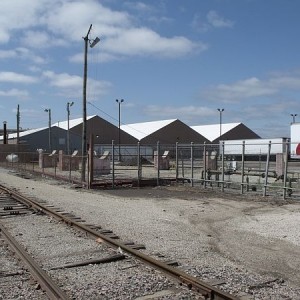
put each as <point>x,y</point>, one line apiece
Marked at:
<point>48,110</point>
<point>4,132</point>
<point>69,104</point>
<point>294,117</point>
<point>119,131</point>
<point>18,124</point>
<point>83,142</point>
<point>220,111</point>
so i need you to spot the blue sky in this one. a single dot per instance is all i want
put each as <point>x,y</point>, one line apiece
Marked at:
<point>168,59</point>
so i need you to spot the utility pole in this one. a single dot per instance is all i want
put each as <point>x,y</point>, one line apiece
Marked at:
<point>83,142</point>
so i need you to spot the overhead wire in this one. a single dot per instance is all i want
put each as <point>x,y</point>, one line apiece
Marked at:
<point>115,118</point>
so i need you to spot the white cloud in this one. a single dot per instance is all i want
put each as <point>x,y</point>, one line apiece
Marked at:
<point>71,85</point>
<point>139,6</point>
<point>217,21</point>
<point>212,21</point>
<point>100,57</point>
<point>72,19</point>
<point>286,81</point>
<point>16,78</point>
<point>41,39</point>
<point>14,93</point>
<point>22,53</point>
<point>20,15</point>
<point>251,87</point>
<point>143,41</point>
<point>45,23</point>
<point>178,112</point>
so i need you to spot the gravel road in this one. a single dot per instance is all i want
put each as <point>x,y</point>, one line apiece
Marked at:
<point>248,245</point>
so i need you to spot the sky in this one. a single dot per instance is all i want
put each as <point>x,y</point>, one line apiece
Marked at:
<point>167,59</point>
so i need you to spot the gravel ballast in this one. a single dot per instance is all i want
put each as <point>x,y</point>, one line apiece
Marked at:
<point>248,246</point>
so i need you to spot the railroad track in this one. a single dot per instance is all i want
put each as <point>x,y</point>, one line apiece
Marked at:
<point>13,204</point>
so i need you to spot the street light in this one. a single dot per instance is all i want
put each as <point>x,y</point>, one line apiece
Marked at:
<point>83,142</point>
<point>69,104</point>
<point>48,110</point>
<point>4,132</point>
<point>220,111</point>
<point>294,117</point>
<point>119,131</point>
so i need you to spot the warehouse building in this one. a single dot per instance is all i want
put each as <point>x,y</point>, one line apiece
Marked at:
<point>103,131</point>
<point>228,131</point>
<point>147,133</point>
<point>164,131</point>
<point>39,138</point>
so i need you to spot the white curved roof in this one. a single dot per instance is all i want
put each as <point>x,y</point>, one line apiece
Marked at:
<point>212,132</point>
<point>72,123</point>
<point>141,130</point>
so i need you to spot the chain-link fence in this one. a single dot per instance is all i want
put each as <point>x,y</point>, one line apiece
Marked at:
<point>261,169</point>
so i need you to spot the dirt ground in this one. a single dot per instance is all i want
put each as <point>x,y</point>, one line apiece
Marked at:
<point>260,233</point>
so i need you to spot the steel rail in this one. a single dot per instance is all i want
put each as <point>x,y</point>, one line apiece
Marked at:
<point>205,289</point>
<point>52,290</point>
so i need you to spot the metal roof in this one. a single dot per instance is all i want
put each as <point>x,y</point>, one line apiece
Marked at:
<point>72,123</point>
<point>24,133</point>
<point>212,132</point>
<point>62,125</point>
<point>141,130</point>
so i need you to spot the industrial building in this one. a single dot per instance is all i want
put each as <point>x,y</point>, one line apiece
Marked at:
<point>103,131</point>
<point>146,133</point>
<point>164,131</point>
<point>42,138</point>
<point>228,131</point>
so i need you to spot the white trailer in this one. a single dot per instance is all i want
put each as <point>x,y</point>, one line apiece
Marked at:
<point>295,140</point>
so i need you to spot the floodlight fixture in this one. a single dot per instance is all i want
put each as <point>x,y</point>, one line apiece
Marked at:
<point>94,42</point>
<point>294,117</point>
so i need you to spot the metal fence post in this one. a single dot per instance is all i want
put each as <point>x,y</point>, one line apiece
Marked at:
<point>286,156</point>
<point>54,165</point>
<point>158,164</point>
<point>139,162</point>
<point>223,177</point>
<point>243,167</point>
<point>70,167</point>
<point>113,162</point>
<point>176,161</point>
<point>267,170</point>
<point>192,164</point>
<point>204,164</point>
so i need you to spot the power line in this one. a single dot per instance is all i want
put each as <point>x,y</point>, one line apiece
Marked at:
<point>102,111</point>
<point>114,118</point>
